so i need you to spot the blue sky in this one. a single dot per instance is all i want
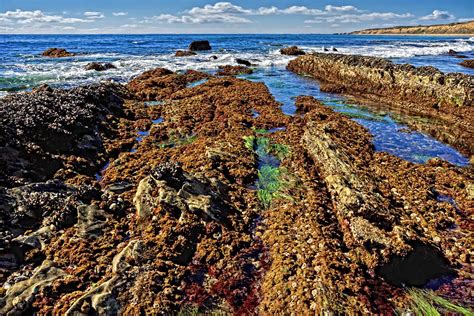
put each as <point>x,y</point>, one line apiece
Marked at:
<point>201,16</point>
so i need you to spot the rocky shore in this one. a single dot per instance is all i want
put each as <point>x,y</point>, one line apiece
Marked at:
<point>443,103</point>
<point>169,196</point>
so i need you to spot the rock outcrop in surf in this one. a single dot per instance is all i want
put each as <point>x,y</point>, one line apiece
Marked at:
<point>446,100</point>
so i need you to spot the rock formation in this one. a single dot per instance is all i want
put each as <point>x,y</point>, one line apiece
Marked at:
<point>233,70</point>
<point>57,52</point>
<point>467,63</point>
<point>199,45</point>
<point>184,53</point>
<point>445,99</point>
<point>292,51</point>
<point>99,66</point>
<point>209,212</point>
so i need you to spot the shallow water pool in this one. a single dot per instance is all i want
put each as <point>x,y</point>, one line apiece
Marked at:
<point>389,135</point>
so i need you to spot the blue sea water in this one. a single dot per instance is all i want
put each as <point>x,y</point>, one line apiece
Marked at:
<point>22,68</point>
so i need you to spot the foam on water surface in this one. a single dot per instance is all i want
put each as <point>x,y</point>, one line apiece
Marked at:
<point>22,67</point>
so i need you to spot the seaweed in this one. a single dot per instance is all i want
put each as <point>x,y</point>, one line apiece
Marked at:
<point>424,302</point>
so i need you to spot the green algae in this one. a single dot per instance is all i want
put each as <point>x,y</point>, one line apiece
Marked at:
<point>424,302</point>
<point>270,181</point>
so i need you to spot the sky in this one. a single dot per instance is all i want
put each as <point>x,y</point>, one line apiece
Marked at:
<point>214,17</point>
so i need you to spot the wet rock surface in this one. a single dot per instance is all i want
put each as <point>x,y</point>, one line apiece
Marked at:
<point>157,83</point>
<point>444,100</point>
<point>292,51</point>
<point>233,70</point>
<point>467,63</point>
<point>184,53</point>
<point>57,53</point>
<point>199,45</point>
<point>243,62</point>
<point>99,66</point>
<point>47,131</point>
<point>179,223</point>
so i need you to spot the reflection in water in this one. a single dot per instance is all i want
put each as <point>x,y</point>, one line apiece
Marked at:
<point>389,135</point>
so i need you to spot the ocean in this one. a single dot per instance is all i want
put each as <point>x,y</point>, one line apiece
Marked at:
<point>22,67</point>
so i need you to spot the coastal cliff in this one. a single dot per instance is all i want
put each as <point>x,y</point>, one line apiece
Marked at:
<point>447,100</point>
<point>464,28</point>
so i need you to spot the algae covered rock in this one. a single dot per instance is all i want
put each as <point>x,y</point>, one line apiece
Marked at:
<point>99,66</point>
<point>292,51</point>
<point>57,53</point>
<point>184,53</point>
<point>229,70</point>
<point>170,186</point>
<point>469,63</point>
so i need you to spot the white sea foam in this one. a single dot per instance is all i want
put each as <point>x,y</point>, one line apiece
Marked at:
<point>71,71</point>
<point>403,49</point>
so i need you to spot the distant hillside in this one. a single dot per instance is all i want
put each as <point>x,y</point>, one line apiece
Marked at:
<point>466,28</point>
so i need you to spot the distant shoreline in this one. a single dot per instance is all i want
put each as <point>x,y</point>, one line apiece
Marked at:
<point>410,34</point>
<point>452,29</point>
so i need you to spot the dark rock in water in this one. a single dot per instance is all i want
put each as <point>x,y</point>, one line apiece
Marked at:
<point>42,88</point>
<point>469,63</point>
<point>292,51</point>
<point>243,62</point>
<point>40,130</point>
<point>325,49</point>
<point>334,49</point>
<point>422,265</point>
<point>99,67</point>
<point>57,52</point>
<point>184,53</point>
<point>214,57</point>
<point>461,56</point>
<point>233,70</point>
<point>452,52</point>
<point>199,45</point>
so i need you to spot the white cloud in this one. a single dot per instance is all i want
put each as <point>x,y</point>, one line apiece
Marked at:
<point>94,15</point>
<point>221,12</point>
<point>37,16</point>
<point>356,18</point>
<point>120,13</point>
<point>290,10</point>
<point>438,15</point>
<point>218,8</point>
<point>345,8</point>
<point>226,12</point>
<point>465,19</point>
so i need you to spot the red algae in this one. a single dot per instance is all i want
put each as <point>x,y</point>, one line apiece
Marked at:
<point>174,222</point>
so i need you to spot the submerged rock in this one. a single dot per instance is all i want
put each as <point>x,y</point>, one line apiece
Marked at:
<point>229,70</point>
<point>292,51</point>
<point>469,63</point>
<point>184,53</point>
<point>57,52</point>
<point>199,45</point>
<point>99,66</point>
<point>243,62</point>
